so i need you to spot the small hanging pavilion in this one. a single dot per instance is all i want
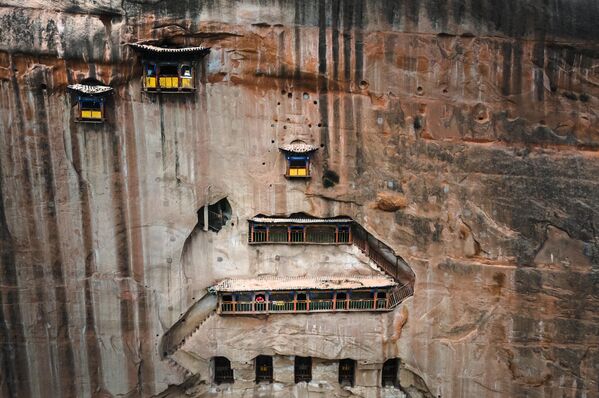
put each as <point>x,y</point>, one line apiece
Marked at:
<point>91,101</point>
<point>169,70</point>
<point>298,155</point>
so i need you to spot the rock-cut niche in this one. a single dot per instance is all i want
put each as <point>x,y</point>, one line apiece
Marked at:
<point>214,216</point>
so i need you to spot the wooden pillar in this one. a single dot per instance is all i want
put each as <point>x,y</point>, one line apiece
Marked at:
<point>266,301</point>
<point>251,232</point>
<point>294,301</point>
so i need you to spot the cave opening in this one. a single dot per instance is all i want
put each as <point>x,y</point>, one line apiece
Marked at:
<point>223,373</point>
<point>389,373</point>
<point>347,370</point>
<point>303,369</point>
<point>215,216</point>
<point>264,370</point>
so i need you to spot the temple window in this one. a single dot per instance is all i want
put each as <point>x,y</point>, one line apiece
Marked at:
<point>381,299</point>
<point>169,69</point>
<point>303,369</point>
<point>150,77</point>
<point>296,233</point>
<point>186,77</point>
<point>222,370</point>
<point>264,370</point>
<point>343,234</point>
<point>91,99</point>
<point>227,303</point>
<point>341,301</point>
<point>298,166</point>
<point>244,302</point>
<point>260,302</point>
<point>347,370</point>
<point>281,301</point>
<point>389,372</point>
<point>91,108</point>
<point>258,233</point>
<point>301,301</point>
<point>298,155</point>
<point>361,300</point>
<point>278,233</point>
<point>321,301</point>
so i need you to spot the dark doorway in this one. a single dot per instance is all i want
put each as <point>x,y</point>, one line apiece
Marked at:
<point>222,370</point>
<point>389,373</point>
<point>303,369</point>
<point>347,370</point>
<point>264,369</point>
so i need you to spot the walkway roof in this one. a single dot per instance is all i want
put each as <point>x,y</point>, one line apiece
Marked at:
<point>302,283</point>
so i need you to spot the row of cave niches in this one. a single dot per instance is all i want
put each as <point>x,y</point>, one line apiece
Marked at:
<point>223,373</point>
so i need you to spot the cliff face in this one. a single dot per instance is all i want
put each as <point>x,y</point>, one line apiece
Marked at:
<point>464,134</point>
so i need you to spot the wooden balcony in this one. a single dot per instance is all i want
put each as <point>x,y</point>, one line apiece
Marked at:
<point>383,299</point>
<point>301,233</point>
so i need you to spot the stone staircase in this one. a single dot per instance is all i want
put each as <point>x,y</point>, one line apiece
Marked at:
<point>177,366</point>
<point>189,323</point>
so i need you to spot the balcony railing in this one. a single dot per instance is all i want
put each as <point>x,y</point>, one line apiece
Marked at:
<point>396,295</point>
<point>295,234</point>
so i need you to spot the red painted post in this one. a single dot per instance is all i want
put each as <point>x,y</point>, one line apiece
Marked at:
<point>294,301</point>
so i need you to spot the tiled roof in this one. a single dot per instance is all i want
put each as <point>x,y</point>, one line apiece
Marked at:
<point>165,50</point>
<point>86,89</point>
<point>274,220</point>
<point>302,283</point>
<point>298,147</point>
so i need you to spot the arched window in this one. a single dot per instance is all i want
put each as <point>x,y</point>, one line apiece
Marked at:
<point>303,369</point>
<point>347,370</point>
<point>186,71</point>
<point>264,369</point>
<point>389,373</point>
<point>222,370</point>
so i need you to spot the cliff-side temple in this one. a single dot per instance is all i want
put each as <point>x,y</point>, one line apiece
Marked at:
<point>365,276</point>
<point>299,198</point>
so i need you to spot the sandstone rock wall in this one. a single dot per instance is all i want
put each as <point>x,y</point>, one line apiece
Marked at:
<point>481,115</point>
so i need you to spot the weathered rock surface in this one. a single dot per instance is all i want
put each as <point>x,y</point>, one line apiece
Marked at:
<point>482,113</point>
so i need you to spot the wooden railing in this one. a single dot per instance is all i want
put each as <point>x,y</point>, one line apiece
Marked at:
<point>361,241</point>
<point>304,234</point>
<point>399,294</point>
<point>393,297</point>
